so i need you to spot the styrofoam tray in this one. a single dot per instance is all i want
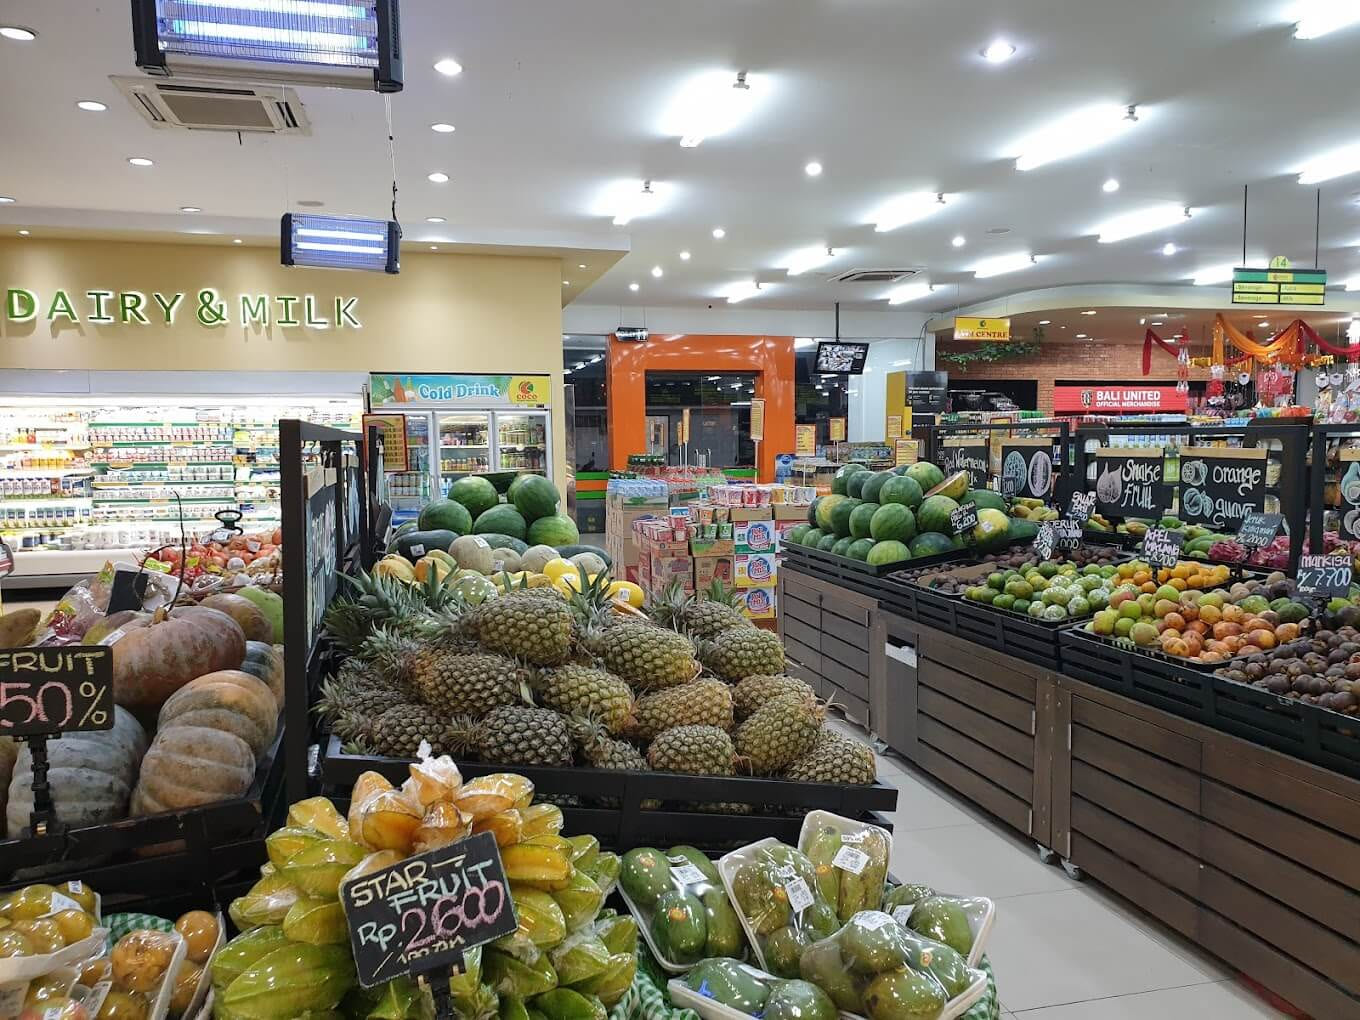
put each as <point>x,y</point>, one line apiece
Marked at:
<point>710,1009</point>
<point>843,825</point>
<point>643,920</point>
<point>981,914</point>
<point>728,866</point>
<point>25,968</point>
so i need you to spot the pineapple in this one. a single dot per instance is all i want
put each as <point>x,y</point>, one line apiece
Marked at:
<point>835,759</point>
<point>603,751</point>
<point>381,601</point>
<point>700,617</point>
<point>516,735</point>
<point>526,626</point>
<point>343,696</point>
<point>736,654</point>
<point>398,731</point>
<point>453,682</point>
<point>703,702</point>
<point>694,750</point>
<point>752,692</point>
<point>581,691</point>
<point>647,656</point>
<point>779,732</point>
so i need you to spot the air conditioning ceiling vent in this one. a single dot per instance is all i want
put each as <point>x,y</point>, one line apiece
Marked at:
<point>213,106</point>
<point>875,276</point>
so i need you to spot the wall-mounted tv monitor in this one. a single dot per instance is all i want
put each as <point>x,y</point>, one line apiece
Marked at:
<point>835,357</point>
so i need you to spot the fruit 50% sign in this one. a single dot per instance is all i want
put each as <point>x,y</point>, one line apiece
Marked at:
<point>424,913</point>
<point>55,690</point>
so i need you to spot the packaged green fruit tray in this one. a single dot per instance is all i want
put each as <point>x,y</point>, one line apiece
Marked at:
<point>681,907</point>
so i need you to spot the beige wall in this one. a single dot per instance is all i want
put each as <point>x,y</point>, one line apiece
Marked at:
<point>442,313</point>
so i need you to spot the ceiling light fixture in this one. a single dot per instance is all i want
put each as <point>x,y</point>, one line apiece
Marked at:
<point>236,240</point>
<point>719,233</point>
<point>6,200</point>
<point>959,241</point>
<point>1081,336</point>
<point>1316,18</point>
<point>908,209</point>
<point>1329,166</point>
<point>657,271</point>
<point>1169,249</point>
<point>91,106</point>
<point>435,247</point>
<point>707,105</point>
<point>629,200</point>
<point>434,219</point>
<point>811,257</point>
<point>1073,134</point>
<point>23,233</point>
<point>908,292</point>
<point>1353,283</point>
<point>140,161</point>
<point>438,177</point>
<point>442,128</point>
<point>580,265</point>
<point>632,286</point>
<point>448,67</point>
<point>1211,275</point>
<point>998,52</point>
<point>1142,221</point>
<point>813,169</point>
<point>17,34</point>
<point>189,208</point>
<point>1000,264</point>
<point>1045,322</point>
<point>565,283</point>
<point>740,291</point>
<point>1089,311</point>
<point>684,256</point>
<point>1158,323</point>
<point>1110,186</point>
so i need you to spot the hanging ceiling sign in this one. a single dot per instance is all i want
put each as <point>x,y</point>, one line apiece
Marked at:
<point>1279,287</point>
<point>968,328</point>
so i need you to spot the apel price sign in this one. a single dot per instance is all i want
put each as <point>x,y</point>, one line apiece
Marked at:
<point>425,912</point>
<point>1131,483</point>
<point>55,690</point>
<point>1162,548</point>
<point>1221,486</point>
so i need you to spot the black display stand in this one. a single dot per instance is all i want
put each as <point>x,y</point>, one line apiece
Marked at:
<point>1060,432</point>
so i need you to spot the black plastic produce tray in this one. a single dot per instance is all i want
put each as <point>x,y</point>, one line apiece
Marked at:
<point>778,805</point>
<point>1318,735</point>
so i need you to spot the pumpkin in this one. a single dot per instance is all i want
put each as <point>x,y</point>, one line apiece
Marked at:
<point>266,662</point>
<point>227,700</point>
<point>155,657</point>
<point>90,775</point>
<point>9,751</point>
<point>255,624</point>
<point>192,765</point>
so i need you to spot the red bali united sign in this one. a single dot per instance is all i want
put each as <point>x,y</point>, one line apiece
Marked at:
<point>1107,399</point>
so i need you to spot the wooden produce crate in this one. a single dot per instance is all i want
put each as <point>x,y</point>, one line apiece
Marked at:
<point>827,634</point>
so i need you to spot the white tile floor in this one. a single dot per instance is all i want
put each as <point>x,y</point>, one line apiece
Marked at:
<point>1060,949</point>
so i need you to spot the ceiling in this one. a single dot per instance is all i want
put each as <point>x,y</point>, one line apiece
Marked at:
<point>1118,324</point>
<point>560,101</point>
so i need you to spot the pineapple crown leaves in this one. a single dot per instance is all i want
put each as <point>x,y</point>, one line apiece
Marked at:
<point>669,610</point>
<point>723,595</point>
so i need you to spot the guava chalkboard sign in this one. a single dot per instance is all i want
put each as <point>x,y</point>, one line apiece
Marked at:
<point>1325,576</point>
<point>55,690</point>
<point>963,518</point>
<point>1221,485</point>
<point>969,455</point>
<point>1029,464</point>
<point>1131,483</point>
<point>1162,548</point>
<point>424,913</point>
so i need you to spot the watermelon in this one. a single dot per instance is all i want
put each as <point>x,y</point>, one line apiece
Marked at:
<point>1022,529</point>
<point>872,485</point>
<point>993,529</point>
<point>840,516</point>
<point>826,542</point>
<point>505,542</point>
<point>825,506</point>
<point>842,546</point>
<point>536,497</point>
<point>902,490</point>
<point>812,511</point>
<point>794,536</point>
<point>841,479</point>
<point>892,522</point>
<point>554,530</point>
<point>934,514</point>
<point>985,499</point>
<point>515,485</point>
<point>811,538</point>
<point>860,518</point>
<point>445,514</point>
<point>477,494</point>
<point>900,470</point>
<point>502,520</point>
<point>954,486</point>
<point>930,543</point>
<point>404,527</point>
<point>854,484</point>
<point>884,553</point>
<point>927,475</point>
<point>859,549</point>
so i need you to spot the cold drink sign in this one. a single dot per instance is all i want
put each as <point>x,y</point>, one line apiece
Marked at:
<point>424,913</point>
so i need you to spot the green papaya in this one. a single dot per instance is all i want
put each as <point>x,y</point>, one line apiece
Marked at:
<point>821,850</point>
<point>568,1004</point>
<point>823,964</point>
<point>232,960</point>
<point>903,995</point>
<point>645,875</point>
<point>679,928</point>
<point>905,896</point>
<point>683,854</point>
<point>785,947</point>
<point>943,920</point>
<point>799,1000</point>
<point>293,979</point>
<point>944,964</point>
<point>820,918</point>
<point>724,935</point>
<point>872,942</point>
<point>731,983</point>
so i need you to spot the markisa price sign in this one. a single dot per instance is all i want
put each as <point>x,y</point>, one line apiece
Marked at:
<point>55,690</point>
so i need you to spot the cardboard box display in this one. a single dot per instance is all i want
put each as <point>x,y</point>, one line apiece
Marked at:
<point>755,570</point>
<point>746,514</point>
<point>712,547</point>
<point>708,569</point>
<point>790,513</point>
<point>758,603</point>
<point>756,537</point>
<point>663,568</point>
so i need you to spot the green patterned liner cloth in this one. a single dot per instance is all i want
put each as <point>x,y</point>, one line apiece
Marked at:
<point>120,924</point>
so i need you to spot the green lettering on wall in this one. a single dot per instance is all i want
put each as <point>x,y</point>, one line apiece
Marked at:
<point>344,313</point>
<point>309,314</point>
<point>101,299</point>
<point>286,316</point>
<point>61,305</point>
<point>256,311</point>
<point>130,306</point>
<point>21,305</point>
<point>168,307</point>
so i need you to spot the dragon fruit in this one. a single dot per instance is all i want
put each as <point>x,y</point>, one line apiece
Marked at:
<point>1228,552</point>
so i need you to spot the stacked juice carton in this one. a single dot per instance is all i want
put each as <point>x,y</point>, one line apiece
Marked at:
<point>757,514</point>
<point>628,500</point>
<point>663,552</point>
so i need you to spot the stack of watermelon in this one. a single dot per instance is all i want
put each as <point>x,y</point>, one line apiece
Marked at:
<point>529,514</point>
<point>885,517</point>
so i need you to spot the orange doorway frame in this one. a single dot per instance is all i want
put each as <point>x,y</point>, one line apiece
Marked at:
<point>770,358</point>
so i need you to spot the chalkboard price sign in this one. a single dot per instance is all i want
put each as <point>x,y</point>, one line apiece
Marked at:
<point>1162,548</point>
<point>1259,530</point>
<point>963,518</point>
<point>424,913</point>
<point>1045,541</point>
<point>1082,506</point>
<point>1131,483</point>
<point>1220,486</point>
<point>965,455</point>
<point>1327,576</point>
<point>1068,534</point>
<point>1008,485</point>
<point>55,690</point>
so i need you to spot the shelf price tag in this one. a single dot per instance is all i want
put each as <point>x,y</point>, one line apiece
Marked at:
<point>1082,506</point>
<point>425,912</point>
<point>963,518</point>
<point>1326,576</point>
<point>1068,534</point>
<point>1162,548</point>
<point>55,690</point>
<point>1259,530</point>
<point>1045,541</point>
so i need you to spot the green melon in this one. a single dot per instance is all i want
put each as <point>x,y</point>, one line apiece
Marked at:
<point>536,497</point>
<point>445,514</point>
<point>841,480</point>
<point>812,510</point>
<point>794,536</point>
<point>854,484</point>
<point>872,485</point>
<point>927,475</point>
<point>985,499</point>
<point>884,553</point>
<point>860,518</point>
<point>477,494</point>
<point>812,538</point>
<point>931,543</point>
<point>826,542</point>
<point>554,530</point>
<point>840,515</point>
<point>1022,529</point>
<point>825,506</point>
<point>954,486</point>
<point>901,489</point>
<point>934,514</point>
<point>993,529</point>
<point>892,522</point>
<point>502,520</point>
<point>842,546</point>
<point>859,548</point>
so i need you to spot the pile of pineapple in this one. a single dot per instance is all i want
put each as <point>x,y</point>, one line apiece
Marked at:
<point>568,959</point>
<point>531,677</point>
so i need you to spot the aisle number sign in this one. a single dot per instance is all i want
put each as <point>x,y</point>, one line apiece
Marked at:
<point>805,440</point>
<point>1279,287</point>
<point>969,328</point>
<point>757,419</point>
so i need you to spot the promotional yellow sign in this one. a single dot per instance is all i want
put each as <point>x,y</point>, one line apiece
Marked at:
<point>837,429</point>
<point>905,450</point>
<point>757,419</point>
<point>994,330</point>
<point>805,440</point>
<point>393,428</point>
<point>894,426</point>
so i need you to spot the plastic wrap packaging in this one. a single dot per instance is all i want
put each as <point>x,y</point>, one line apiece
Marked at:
<point>849,859</point>
<point>725,989</point>
<point>681,906</point>
<point>432,779</point>
<point>774,888</point>
<point>485,796</point>
<point>963,923</point>
<point>380,816</point>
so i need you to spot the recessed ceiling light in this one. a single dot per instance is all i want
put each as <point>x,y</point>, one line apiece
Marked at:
<point>439,177</point>
<point>1169,249</point>
<point>235,240</point>
<point>23,233</point>
<point>1330,165</point>
<point>140,161</point>
<point>1110,186</point>
<point>1263,325</point>
<point>565,283</point>
<point>442,128</point>
<point>684,256</point>
<point>1089,311</point>
<point>998,52</point>
<point>448,67</point>
<point>1073,134</point>
<point>1159,323</point>
<point>959,241</point>
<point>1081,336</point>
<point>1315,18</point>
<point>6,200</point>
<point>710,104</point>
<point>91,106</point>
<point>656,271</point>
<point>719,233</point>
<point>189,208</point>
<point>434,219</point>
<point>1045,322</point>
<point>580,265</point>
<point>434,247</point>
<point>632,286</point>
<point>17,34</point>
<point>813,169</point>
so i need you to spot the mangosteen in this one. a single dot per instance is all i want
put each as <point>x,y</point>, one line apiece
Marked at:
<point>1349,616</point>
<point>1300,684</point>
<point>1345,701</point>
<point>1336,671</point>
<point>1236,675</point>
<point>1353,671</point>
<point>1254,670</point>
<point>1317,685</point>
